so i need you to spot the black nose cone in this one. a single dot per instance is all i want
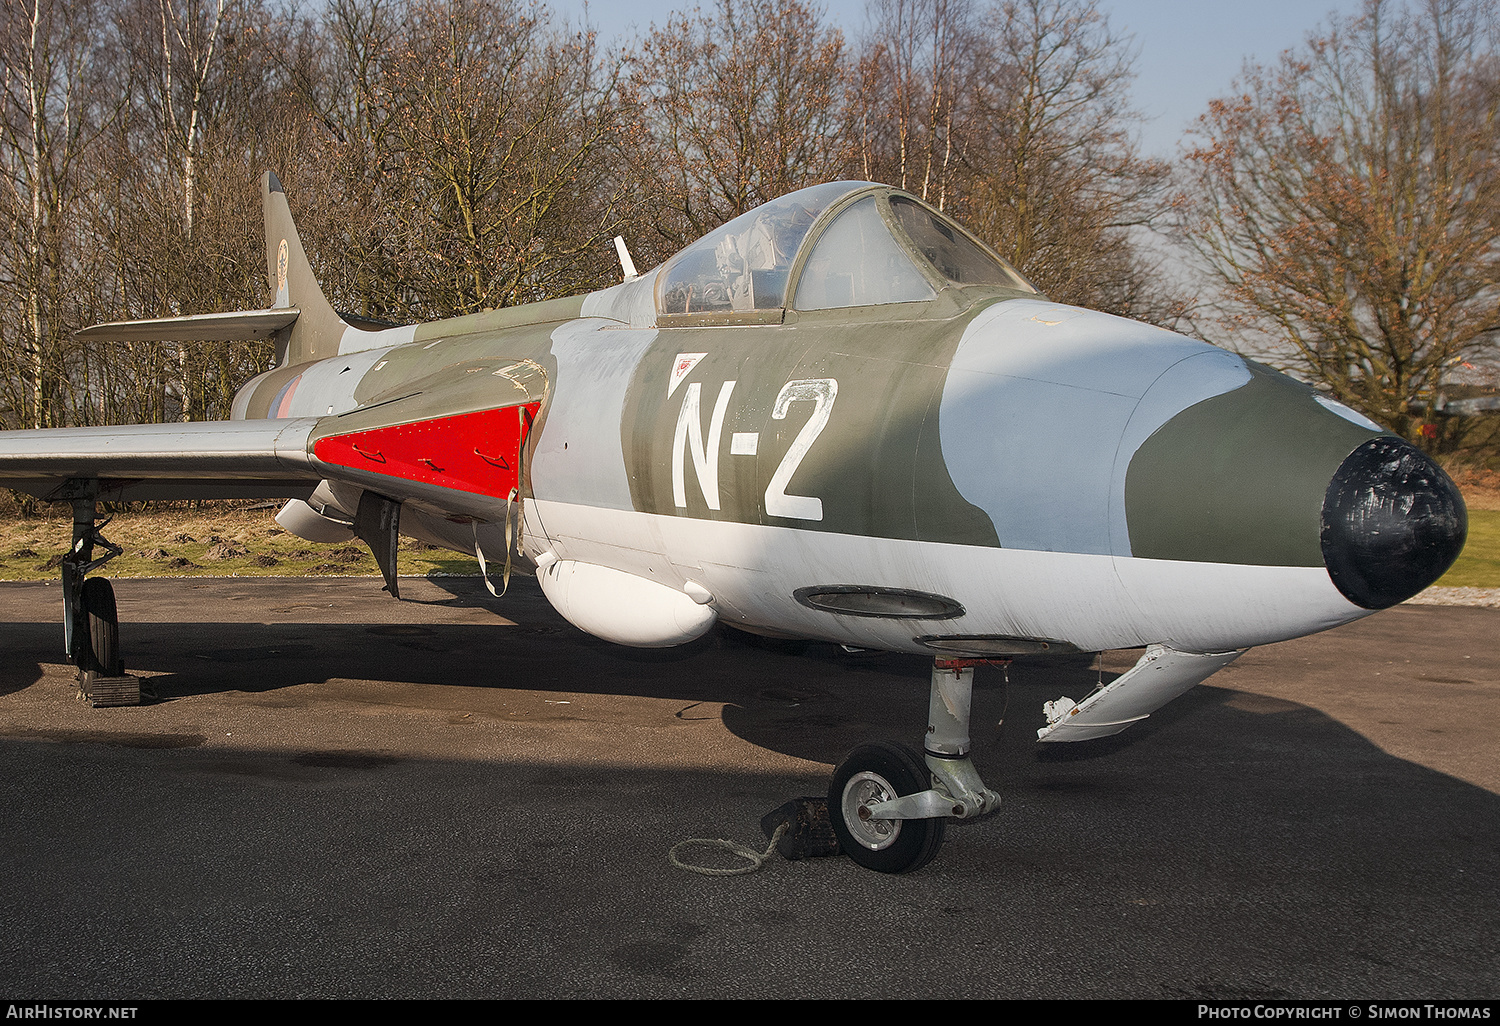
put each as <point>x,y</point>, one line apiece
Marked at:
<point>1393,522</point>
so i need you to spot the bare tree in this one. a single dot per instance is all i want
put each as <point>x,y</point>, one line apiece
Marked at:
<point>190,37</point>
<point>738,104</point>
<point>348,174</point>
<point>1347,201</point>
<point>470,142</point>
<point>911,101</point>
<point>179,172</point>
<point>52,113</point>
<point>1053,177</point>
<point>505,126</point>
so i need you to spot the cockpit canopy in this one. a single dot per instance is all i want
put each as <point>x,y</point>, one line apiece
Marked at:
<point>844,244</point>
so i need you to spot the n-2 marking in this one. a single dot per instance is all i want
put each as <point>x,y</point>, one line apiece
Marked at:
<point>688,442</point>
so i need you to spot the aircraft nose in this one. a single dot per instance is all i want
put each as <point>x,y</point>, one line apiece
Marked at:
<point>1274,474</point>
<point>1392,523</point>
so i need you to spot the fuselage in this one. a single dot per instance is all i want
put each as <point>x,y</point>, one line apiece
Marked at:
<point>979,472</point>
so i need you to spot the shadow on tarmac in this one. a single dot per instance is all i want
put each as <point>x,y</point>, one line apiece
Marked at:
<point>1231,847</point>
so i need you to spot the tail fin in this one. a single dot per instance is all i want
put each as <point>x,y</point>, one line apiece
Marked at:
<point>316,332</point>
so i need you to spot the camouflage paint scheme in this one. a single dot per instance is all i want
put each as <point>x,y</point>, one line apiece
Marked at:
<point>981,466</point>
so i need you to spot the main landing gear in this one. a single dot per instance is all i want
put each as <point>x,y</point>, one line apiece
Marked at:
<point>889,805</point>
<point>91,621</point>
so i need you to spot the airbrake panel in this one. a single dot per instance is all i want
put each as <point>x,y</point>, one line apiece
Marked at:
<point>472,452</point>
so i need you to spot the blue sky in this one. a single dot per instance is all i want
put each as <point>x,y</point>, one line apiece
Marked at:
<point>1189,50</point>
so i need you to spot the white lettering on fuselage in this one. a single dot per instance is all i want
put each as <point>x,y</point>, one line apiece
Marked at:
<point>689,435</point>
<point>821,392</point>
<point>688,442</point>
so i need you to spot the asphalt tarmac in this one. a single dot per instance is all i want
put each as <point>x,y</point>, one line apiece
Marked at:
<point>340,796</point>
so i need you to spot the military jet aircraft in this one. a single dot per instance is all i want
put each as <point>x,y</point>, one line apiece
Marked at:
<point>838,417</point>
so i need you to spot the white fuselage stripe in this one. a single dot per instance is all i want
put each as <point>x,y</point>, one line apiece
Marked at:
<point>1091,601</point>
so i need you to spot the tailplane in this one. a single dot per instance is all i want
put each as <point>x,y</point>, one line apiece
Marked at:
<point>300,320</point>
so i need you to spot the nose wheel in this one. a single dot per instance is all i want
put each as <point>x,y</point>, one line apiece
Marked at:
<point>875,774</point>
<point>889,805</point>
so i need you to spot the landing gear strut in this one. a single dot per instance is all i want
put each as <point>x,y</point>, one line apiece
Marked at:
<point>91,623</point>
<point>889,806</point>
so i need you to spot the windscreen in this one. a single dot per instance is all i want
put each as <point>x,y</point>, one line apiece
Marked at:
<point>855,262</point>
<point>957,257</point>
<point>743,266</point>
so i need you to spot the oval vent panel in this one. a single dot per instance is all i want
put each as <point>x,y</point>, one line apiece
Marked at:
<point>891,603</point>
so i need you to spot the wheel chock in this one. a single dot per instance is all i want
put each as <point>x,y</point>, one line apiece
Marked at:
<point>108,692</point>
<point>809,831</point>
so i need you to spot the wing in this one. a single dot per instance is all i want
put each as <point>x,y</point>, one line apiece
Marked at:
<point>201,460</point>
<point>451,441</point>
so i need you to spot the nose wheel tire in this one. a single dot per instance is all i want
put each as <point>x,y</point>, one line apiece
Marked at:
<point>102,651</point>
<point>873,773</point>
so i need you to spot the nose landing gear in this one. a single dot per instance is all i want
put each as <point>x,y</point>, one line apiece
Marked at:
<point>890,806</point>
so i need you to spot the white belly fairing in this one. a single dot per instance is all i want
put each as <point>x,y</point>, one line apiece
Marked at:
<point>1092,601</point>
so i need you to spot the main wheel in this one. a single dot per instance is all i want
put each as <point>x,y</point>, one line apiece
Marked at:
<point>102,651</point>
<point>874,773</point>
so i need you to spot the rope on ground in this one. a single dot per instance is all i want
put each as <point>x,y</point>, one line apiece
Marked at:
<point>756,859</point>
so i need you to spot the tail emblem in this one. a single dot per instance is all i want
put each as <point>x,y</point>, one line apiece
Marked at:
<point>282,298</point>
